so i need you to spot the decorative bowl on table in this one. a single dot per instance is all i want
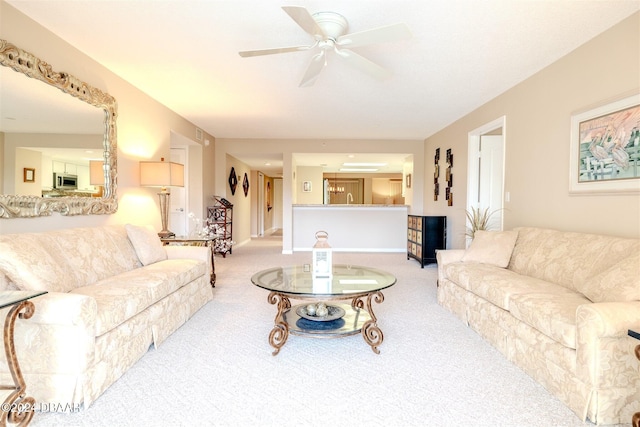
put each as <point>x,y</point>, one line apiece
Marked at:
<point>320,312</point>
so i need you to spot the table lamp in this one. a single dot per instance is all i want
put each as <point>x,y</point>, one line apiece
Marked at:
<point>162,174</point>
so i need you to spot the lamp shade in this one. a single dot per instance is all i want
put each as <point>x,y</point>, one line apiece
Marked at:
<point>96,172</point>
<point>161,174</point>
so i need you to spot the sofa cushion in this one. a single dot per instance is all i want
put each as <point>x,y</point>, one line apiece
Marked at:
<point>621,282</point>
<point>33,262</point>
<point>552,312</point>
<point>123,296</point>
<point>95,253</point>
<point>567,258</point>
<point>497,285</point>
<point>491,247</point>
<point>146,243</point>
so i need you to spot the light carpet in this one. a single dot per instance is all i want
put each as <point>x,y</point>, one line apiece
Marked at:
<point>217,369</point>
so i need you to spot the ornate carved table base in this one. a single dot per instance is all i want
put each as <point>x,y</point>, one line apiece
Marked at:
<point>635,421</point>
<point>17,408</point>
<point>359,320</point>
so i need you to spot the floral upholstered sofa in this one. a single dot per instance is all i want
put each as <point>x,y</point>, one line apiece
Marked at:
<point>112,292</point>
<point>559,305</point>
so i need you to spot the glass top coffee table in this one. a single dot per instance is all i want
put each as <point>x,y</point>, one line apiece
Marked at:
<point>360,285</point>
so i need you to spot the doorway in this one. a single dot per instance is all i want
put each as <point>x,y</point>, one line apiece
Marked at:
<point>189,199</point>
<point>178,201</point>
<point>485,189</point>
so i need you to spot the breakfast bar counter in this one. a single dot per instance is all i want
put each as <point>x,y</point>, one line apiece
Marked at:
<point>352,228</point>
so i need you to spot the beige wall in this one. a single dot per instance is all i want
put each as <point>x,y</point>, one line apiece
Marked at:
<point>27,159</point>
<point>313,174</point>
<point>537,136</point>
<point>242,205</point>
<point>143,125</point>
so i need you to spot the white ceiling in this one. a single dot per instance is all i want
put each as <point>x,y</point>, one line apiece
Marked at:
<point>463,53</point>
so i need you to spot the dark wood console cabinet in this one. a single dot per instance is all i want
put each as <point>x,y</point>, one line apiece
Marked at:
<point>425,234</point>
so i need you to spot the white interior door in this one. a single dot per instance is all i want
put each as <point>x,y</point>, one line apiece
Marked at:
<point>490,178</point>
<point>485,171</point>
<point>178,206</point>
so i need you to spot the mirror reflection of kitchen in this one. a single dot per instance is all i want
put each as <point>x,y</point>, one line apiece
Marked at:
<point>53,133</point>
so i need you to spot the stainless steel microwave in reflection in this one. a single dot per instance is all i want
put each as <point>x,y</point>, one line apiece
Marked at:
<point>65,181</point>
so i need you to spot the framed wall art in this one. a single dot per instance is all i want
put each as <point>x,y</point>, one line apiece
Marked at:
<point>436,175</point>
<point>449,178</point>
<point>29,175</point>
<point>306,186</point>
<point>605,148</point>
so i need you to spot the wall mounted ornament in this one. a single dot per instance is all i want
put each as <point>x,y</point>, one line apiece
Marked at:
<point>233,181</point>
<point>436,175</point>
<point>245,184</point>
<point>449,177</point>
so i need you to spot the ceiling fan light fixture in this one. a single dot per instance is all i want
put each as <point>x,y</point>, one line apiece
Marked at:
<point>333,24</point>
<point>329,30</point>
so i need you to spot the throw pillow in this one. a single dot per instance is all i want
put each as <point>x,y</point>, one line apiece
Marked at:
<point>491,247</point>
<point>146,243</point>
<point>620,282</point>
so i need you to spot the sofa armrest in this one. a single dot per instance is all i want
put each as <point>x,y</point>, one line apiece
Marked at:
<point>202,253</point>
<point>608,319</point>
<point>448,256</point>
<point>59,337</point>
<point>65,309</point>
<point>604,350</point>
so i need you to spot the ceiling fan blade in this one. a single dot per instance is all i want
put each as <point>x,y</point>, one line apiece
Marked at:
<point>248,53</point>
<point>313,71</point>
<point>388,33</point>
<point>363,64</point>
<point>304,19</point>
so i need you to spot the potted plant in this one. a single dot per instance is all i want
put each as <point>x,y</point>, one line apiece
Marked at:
<point>478,220</point>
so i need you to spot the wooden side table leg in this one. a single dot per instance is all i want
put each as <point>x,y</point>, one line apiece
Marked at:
<point>17,408</point>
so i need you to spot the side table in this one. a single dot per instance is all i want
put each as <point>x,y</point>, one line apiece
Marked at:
<point>17,408</point>
<point>196,241</point>
<point>635,420</point>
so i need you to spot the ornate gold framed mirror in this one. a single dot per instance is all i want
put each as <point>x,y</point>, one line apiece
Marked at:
<point>57,198</point>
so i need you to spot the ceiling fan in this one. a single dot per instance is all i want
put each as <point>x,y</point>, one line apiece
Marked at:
<point>329,32</point>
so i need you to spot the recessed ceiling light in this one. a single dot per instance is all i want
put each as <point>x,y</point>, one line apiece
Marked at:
<point>364,164</point>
